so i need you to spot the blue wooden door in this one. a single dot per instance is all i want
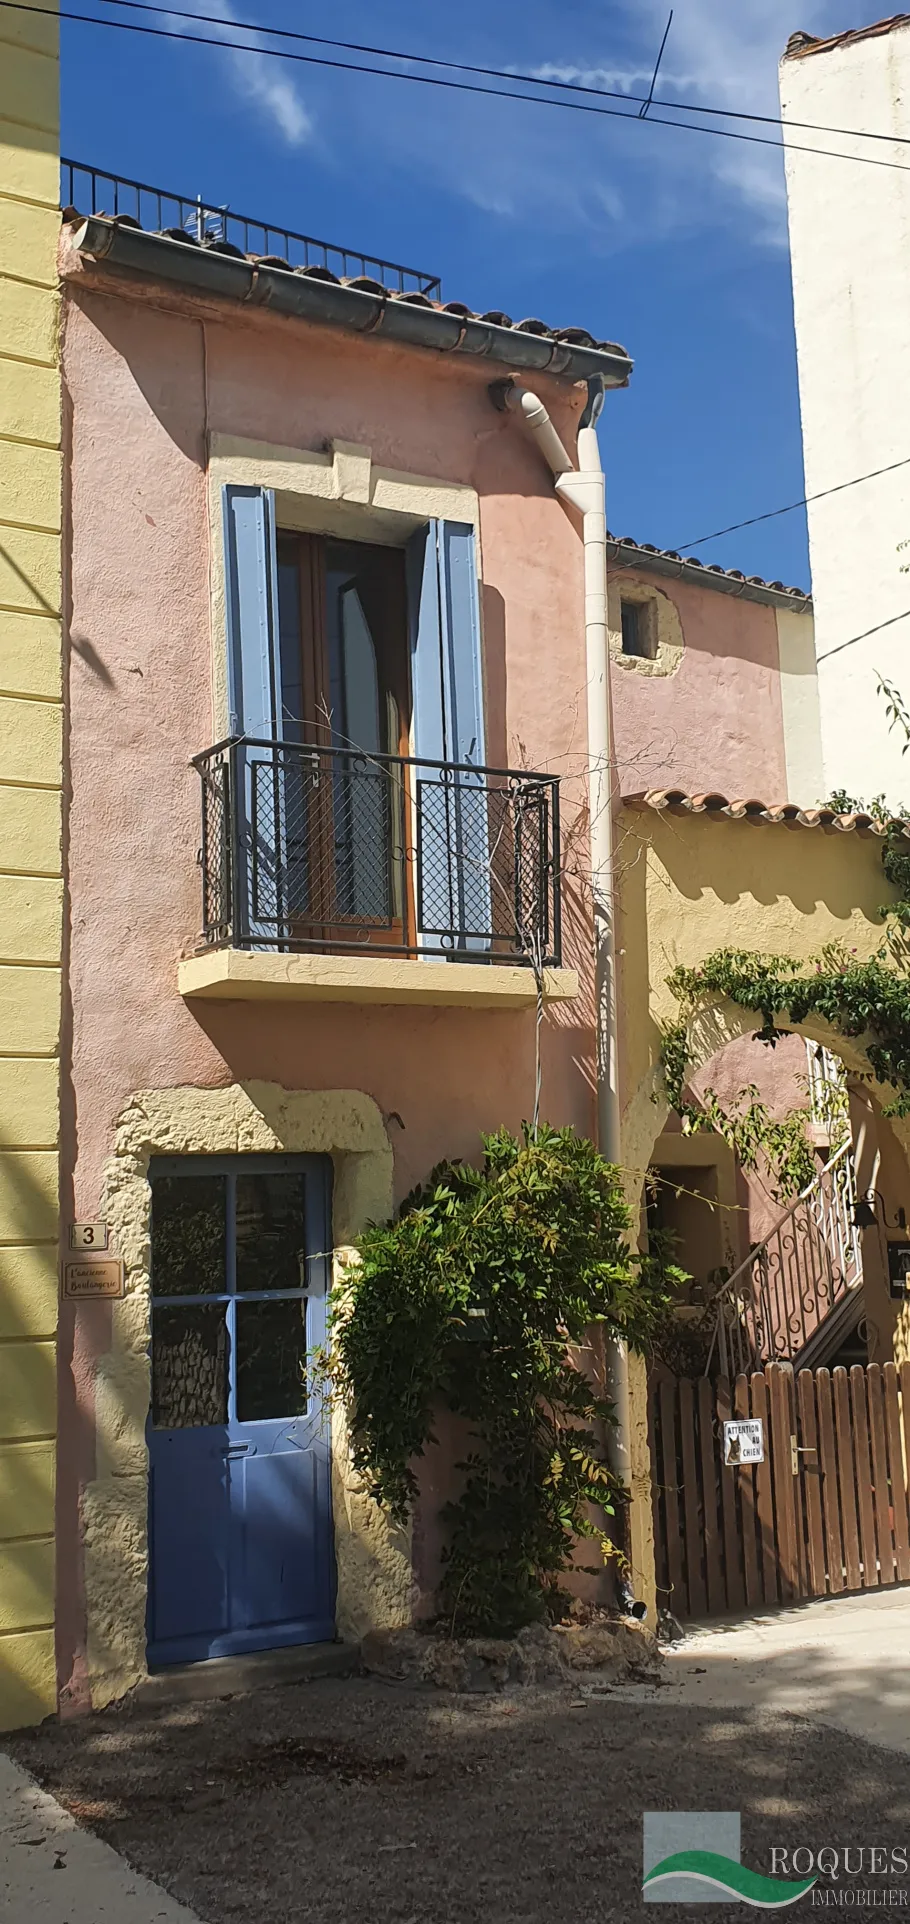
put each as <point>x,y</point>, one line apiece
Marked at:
<point>240,1522</point>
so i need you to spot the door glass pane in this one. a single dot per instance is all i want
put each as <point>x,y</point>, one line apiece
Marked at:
<point>189,1366</point>
<point>188,1235</point>
<point>271,1236</point>
<point>271,1359</point>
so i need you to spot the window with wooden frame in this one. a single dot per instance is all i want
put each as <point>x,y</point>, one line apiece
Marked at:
<point>343,647</point>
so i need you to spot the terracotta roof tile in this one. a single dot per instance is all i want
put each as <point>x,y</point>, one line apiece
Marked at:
<point>569,345</point>
<point>800,44</point>
<point>624,552</point>
<point>677,801</point>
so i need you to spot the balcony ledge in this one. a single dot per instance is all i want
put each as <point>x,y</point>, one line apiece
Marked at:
<point>243,975</point>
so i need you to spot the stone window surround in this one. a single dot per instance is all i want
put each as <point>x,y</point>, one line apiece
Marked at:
<point>334,490</point>
<point>665,615</point>
<point>373,1557</point>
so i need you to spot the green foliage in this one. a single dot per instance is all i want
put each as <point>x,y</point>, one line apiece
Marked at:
<point>754,1135</point>
<point>470,1301</point>
<point>859,999</point>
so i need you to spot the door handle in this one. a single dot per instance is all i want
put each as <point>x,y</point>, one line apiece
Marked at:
<point>235,1449</point>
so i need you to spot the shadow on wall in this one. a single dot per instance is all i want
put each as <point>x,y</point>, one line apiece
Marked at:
<point>807,868</point>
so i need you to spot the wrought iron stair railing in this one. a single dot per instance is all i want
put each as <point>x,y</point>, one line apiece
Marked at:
<point>775,1303</point>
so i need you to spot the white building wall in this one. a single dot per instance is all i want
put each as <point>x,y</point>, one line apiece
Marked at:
<point>850,249</point>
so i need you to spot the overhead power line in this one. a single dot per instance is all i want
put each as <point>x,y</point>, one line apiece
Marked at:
<point>866,631</point>
<point>803,502</point>
<point>513,73</point>
<point>436,80</point>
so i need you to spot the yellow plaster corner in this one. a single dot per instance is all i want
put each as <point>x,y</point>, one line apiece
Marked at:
<point>31,907</point>
<point>26,1585</point>
<point>28,1290</point>
<point>374,1570</point>
<point>30,652</point>
<point>28,1102</point>
<point>29,1008</point>
<point>31,739</point>
<point>30,829</point>
<point>28,1393</point>
<point>27,1479</point>
<point>28,1678</point>
<point>29,166</point>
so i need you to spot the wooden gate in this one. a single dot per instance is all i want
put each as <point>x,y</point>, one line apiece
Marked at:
<point>825,1512</point>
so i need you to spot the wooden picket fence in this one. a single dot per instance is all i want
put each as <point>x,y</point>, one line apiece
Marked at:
<point>826,1512</point>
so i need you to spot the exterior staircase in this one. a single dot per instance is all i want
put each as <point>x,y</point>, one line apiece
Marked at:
<point>799,1294</point>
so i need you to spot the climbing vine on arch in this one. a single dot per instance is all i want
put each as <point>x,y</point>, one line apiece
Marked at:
<point>867,1001</point>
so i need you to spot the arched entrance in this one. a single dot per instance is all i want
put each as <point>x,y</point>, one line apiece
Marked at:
<point>827,1507</point>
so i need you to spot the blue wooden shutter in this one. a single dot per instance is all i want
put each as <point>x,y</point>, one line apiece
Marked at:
<point>251,594</point>
<point>453,880</point>
<point>254,703</point>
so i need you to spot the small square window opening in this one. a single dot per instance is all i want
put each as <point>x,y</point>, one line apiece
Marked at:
<point>637,629</point>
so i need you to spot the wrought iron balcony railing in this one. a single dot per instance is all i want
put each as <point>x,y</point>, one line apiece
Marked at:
<point>317,848</point>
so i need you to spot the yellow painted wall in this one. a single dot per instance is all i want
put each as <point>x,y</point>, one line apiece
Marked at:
<point>31,884</point>
<point>687,885</point>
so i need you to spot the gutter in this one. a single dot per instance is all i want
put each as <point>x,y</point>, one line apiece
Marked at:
<point>313,294</point>
<point>583,489</point>
<point>657,561</point>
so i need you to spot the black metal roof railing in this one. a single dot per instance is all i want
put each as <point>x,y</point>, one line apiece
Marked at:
<point>92,191</point>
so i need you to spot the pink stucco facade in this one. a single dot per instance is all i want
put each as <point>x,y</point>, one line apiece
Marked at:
<point>716,721</point>
<point>150,377</point>
<point>148,381</point>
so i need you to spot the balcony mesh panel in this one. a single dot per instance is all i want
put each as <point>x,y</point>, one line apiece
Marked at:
<point>321,841</point>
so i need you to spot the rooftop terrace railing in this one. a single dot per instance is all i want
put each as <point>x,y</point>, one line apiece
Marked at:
<point>92,191</point>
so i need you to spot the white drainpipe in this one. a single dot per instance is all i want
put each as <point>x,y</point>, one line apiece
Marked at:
<point>582,488</point>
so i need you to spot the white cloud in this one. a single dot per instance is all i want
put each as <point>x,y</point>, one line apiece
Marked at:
<point>258,77</point>
<point>719,55</point>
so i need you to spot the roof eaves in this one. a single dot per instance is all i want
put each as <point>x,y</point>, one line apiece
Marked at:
<point>360,306</point>
<point>677,801</point>
<point>623,552</point>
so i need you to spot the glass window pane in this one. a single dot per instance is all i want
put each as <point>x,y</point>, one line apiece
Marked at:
<point>271,1238</point>
<point>188,1235</point>
<point>271,1360</point>
<point>189,1366</point>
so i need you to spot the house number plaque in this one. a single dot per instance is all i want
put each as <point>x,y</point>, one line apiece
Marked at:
<point>88,1235</point>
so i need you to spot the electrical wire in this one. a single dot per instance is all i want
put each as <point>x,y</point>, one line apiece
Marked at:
<point>803,502</point>
<point>866,631</point>
<point>513,73</point>
<point>435,80</point>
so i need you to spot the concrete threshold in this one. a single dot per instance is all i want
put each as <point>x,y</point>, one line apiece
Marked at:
<point>185,1683</point>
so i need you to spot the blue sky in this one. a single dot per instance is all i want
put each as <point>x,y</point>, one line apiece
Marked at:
<point>673,243</point>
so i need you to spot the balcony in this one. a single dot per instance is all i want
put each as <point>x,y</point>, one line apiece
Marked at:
<point>335,875</point>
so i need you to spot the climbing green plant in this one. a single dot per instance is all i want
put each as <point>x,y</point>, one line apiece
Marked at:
<point>474,1300</point>
<point>755,1136</point>
<point>859,999</point>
